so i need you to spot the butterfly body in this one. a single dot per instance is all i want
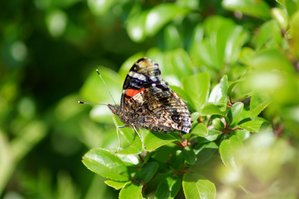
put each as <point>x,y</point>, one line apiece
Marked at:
<point>148,102</point>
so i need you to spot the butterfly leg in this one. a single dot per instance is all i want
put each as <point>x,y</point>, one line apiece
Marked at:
<point>140,137</point>
<point>118,127</point>
<point>117,133</point>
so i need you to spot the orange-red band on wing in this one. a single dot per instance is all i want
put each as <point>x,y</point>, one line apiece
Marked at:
<point>132,92</point>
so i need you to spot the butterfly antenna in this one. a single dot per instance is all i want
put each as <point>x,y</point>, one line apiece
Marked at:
<point>106,87</point>
<point>90,103</point>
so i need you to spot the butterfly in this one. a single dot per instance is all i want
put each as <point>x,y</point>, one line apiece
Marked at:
<point>148,102</point>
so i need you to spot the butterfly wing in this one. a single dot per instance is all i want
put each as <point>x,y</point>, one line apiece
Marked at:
<point>149,103</point>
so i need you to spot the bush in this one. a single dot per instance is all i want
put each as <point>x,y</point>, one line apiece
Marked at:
<point>235,64</point>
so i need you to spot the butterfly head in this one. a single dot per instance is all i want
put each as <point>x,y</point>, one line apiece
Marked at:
<point>114,108</point>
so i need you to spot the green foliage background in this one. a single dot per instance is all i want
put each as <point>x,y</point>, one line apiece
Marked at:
<point>235,63</point>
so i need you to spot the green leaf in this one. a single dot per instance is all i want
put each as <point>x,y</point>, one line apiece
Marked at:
<point>211,109</point>
<point>290,5</point>
<point>99,8</point>
<point>106,164</point>
<point>147,172</point>
<point>195,187</point>
<point>281,17</point>
<point>257,105</point>
<point>236,113</point>
<point>228,149</point>
<point>250,7</point>
<point>221,44</point>
<point>294,31</point>
<point>135,26</point>
<point>200,130</point>
<point>253,125</point>
<point>131,191</point>
<point>177,63</point>
<point>213,134</point>
<point>96,91</point>
<point>168,188</point>
<point>160,15</point>
<point>265,40</point>
<point>147,23</point>
<point>130,142</point>
<point>172,37</point>
<point>152,141</point>
<point>197,87</point>
<point>114,184</point>
<point>218,95</point>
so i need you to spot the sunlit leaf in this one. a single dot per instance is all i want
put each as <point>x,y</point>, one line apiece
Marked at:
<point>106,164</point>
<point>160,15</point>
<point>218,94</point>
<point>257,104</point>
<point>265,40</point>
<point>250,7</point>
<point>197,87</point>
<point>99,7</point>
<point>290,5</point>
<point>223,33</point>
<point>200,130</point>
<point>211,109</point>
<point>236,112</point>
<point>153,141</point>
<point>253,125</point>
<point>198,188</point>
<point>115,184</point>
<point>135,26</point>
<point>131,191</point>
<point>228,151</point>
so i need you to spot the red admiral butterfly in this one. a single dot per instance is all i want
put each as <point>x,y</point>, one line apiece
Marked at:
<point>148,102</point>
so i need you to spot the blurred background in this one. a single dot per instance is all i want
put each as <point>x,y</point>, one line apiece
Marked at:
<point>51,48</point>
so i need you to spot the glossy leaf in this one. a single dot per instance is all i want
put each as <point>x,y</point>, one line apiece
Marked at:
<point>264,39</point>
<point>198,188</point>
<point>200,130</point>
<point>160,15</point>
<point>178,64</point>
<point>211,109</point>
<point>99,7</point>
<point>145,174</point>
<point>250,7</point>
<point>115,184</point>
<point>253,125</point>
<point>197,87</point>
<point>168,188</point>
<point>228,149</point>
<point>148,23</point>
<point>218,94</point>
<point>257,105</point>
<point>290,5</point>
<point>106,164</point>
<point>130,143</point>
<point>236,113</point>
<point>135,26</point>
<point>223,33</point>
<point>131,191</point>
<point>153,141</point>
